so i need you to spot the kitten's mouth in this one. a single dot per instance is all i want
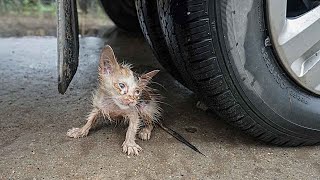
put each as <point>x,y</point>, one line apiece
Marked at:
<point>131,104</point>
<point>128,103</point>
<point>124,103</point>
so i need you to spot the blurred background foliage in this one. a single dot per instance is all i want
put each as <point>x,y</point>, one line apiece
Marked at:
<point>27,7</point>
<point>38,18</point>
<point>38,7</point>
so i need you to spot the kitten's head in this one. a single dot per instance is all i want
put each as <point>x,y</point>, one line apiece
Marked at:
<point>119,81</point>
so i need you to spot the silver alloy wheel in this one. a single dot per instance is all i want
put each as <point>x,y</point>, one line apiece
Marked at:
<point>297,42</point>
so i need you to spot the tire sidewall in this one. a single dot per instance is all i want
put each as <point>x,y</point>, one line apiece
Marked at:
<point>121,16</point>
<point>259,82</point>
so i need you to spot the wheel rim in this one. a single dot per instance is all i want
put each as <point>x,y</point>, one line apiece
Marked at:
<point>296,42</point>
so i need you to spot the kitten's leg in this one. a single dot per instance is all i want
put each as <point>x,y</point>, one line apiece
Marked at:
<point>82,132</point>
<point>129,146</point>
<point>150,113</point>
<point>145,132</point>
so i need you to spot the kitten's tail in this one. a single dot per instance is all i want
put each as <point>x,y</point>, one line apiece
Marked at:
<point>179,137</point>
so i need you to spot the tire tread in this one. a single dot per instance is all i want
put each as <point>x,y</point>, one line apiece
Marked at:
<point>150,26</point>
<point>192,48</point>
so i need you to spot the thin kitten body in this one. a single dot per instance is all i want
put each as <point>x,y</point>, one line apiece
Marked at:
<point>123,94</point>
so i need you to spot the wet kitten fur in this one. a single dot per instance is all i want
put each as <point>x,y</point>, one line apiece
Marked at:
<point>122,93</point>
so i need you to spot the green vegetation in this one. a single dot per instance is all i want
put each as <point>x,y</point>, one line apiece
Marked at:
<point>40,7</point>
<point>27,7</point>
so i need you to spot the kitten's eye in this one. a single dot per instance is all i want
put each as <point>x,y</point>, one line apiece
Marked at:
<point>137,92</point>
<point>121,85</point>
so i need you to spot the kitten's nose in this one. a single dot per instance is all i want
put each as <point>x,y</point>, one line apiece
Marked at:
<point>128,101</point>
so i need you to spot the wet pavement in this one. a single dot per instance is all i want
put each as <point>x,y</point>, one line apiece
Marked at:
<point>34,119</point>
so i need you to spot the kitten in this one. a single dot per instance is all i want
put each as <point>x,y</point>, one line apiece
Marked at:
<point>123,94</point>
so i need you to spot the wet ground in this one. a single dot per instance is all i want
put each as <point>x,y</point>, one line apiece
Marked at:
<point>34,119</point>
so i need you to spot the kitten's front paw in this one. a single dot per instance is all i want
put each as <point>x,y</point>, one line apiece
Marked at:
<point>145,134</point>
<point>77,133</point>
<point>131,148</point>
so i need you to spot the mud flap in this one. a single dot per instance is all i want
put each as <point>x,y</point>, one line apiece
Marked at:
<point>68,42</point>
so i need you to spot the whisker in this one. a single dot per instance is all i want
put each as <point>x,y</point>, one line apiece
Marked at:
<point>153,82</point>
<point>137,110</point>
<point>107,97</point>
<point>161,102</point>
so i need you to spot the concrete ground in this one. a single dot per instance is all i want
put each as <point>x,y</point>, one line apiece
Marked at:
<point>34,119</point>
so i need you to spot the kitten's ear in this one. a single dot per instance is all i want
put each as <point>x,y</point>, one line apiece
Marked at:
<point>145,78</point>
<point>108,62</point>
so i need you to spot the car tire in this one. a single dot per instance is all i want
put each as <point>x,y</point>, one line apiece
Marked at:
<point>151,29</point>
<point>122,13</point>
<point>220,48</point>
